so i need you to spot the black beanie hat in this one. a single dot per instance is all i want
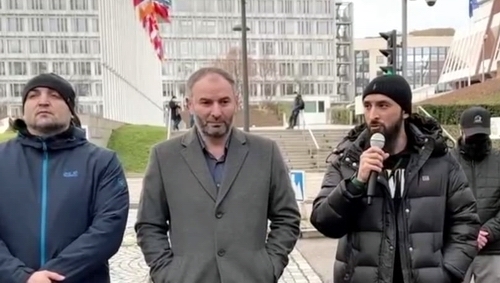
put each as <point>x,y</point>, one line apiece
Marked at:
<point>57,83</point>
<point>393,86</point>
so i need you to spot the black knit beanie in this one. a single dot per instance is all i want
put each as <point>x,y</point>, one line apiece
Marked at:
<point>57,83</point>
<point>393,86</point>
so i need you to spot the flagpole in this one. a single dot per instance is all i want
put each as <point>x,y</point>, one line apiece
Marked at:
<point>469,61</point>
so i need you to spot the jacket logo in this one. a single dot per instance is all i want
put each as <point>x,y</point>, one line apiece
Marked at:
<point>425,178</point>
<point>70,174</point>
<point>478,119</point>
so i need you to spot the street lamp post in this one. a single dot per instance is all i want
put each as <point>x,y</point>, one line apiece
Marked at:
<point>244,62</point>
<point>404,38</point>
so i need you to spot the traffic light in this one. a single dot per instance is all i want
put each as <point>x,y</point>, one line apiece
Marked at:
<point>391,52</point>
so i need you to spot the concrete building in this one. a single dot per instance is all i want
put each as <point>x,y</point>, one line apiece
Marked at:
<point>427,52</point>
<point>101,52</point>
<point>294,45</point>
<point>474,52</point>
<point>60,36</point>
<point>131,71</point>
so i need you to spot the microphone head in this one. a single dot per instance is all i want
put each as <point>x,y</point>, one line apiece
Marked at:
<point>377,140</point>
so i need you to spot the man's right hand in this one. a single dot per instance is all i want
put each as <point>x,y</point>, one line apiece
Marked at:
<point>45,276</point>
<point>371,160</point>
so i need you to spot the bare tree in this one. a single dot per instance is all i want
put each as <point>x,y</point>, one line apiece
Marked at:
<point>231,62</point>
<point>268,74</point>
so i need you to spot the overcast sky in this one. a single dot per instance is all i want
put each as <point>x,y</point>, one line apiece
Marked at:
<point>374,16</point>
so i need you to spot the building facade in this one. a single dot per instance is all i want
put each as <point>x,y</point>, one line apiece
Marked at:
<point>426,57</point>
<point>61,36</point>
<point>474,53</point>
<point>292,45</point>
<point>131,70</point>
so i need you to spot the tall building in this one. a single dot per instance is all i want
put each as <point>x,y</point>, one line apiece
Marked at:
<point>292,44</point>
<point>99,46</point>
<point>475,50</point>
<point>60,36</point>
<point>426,58</point>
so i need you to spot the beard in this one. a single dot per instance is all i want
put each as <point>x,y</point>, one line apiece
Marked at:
<point>390,132</point>
<point>213,131</point>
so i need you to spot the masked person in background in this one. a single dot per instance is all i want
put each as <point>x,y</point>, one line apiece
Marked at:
<point>422,224</point>
<point>481,164</point>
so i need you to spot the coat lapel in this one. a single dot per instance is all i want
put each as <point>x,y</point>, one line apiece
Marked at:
<point>236,155</point>
<point>194,157</point>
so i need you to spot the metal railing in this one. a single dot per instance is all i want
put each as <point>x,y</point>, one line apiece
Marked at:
<point>421,109</point>
<point>168,123</point>
<point>306,126</point>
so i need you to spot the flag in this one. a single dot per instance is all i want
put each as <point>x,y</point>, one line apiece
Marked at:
<point>151,25</point>
<point>162,8</point>
<point>472,6</point>
<point>137,2</point>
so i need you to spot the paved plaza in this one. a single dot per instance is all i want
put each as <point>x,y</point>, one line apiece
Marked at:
<point>128,266</point>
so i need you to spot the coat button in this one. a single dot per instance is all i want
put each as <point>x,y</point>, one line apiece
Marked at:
<point>407,210</point>
<point>221,252</point>
<point>410,249</point>
<point>219,215</point>
<point>391,248</point>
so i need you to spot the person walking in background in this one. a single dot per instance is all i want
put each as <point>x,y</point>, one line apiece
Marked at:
<point>422,224</point>
<point>481,164</point>
<point>298,105</point>
<point>175,114</point>
<point>209,194</point>
<point>65,201</point>
<point>191,116</point>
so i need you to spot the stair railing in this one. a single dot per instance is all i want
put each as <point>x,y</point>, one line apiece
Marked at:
<point>311,133</point>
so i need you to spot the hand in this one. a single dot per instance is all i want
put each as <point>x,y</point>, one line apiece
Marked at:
<point>45,276</point>
<point>371,160</point>
<point>482,239</point>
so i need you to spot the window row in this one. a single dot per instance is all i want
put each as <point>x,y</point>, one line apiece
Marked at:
<point>56,24</point>
<point>63,68</point>
<point>259,89</point>
<point>50,46</point>
<point>257,6</point>
<point>255,26</point>
<point>59,5</point>
<point>82,89</point>
<point>204,48</point>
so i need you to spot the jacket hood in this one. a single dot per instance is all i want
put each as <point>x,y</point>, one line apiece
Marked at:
<point>420,130</point>
<point>70,138</point>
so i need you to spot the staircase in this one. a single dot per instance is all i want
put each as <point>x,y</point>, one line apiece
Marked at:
<point>299,150</point>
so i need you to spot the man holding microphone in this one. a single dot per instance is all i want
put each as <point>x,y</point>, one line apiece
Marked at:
<point>396,198</point>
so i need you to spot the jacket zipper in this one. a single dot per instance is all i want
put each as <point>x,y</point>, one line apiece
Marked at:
<point>43,214</point>
<point>473,177</point>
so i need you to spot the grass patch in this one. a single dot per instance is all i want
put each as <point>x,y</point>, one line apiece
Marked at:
<point>7,136</point>
<point>133,144</point>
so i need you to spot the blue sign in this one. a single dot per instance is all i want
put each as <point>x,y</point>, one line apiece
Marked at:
<point>298,179</point>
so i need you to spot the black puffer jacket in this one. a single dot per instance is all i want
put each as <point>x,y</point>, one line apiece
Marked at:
<point>437,219</point>
<point>484,179</point>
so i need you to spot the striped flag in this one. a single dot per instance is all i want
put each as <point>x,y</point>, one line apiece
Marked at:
<point>151,12</point>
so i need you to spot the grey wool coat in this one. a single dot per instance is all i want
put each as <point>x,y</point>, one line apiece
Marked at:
<point>190,232</point>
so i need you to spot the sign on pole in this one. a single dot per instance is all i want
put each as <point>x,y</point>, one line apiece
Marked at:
<point>298,178</point>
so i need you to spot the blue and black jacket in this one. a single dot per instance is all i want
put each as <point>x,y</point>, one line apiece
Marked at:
<point>63,207</point>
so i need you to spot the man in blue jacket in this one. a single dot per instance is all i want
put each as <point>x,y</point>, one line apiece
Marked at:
<point>63,201</point>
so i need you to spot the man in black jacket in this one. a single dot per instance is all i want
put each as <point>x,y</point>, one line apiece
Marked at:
<point>298,105</point>
<point>422,225</point>
<point>481,164</point>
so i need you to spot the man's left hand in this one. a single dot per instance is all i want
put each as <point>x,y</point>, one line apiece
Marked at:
<point>482,239</point>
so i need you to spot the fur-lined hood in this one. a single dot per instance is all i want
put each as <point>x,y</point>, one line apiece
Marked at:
<point>421,130</point>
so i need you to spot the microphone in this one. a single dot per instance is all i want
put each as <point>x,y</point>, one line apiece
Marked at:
<point>377,140</point>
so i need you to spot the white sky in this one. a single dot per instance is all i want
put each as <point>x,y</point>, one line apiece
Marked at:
<point>374,16</point>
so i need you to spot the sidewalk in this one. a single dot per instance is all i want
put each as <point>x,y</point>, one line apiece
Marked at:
<point>128,266</point>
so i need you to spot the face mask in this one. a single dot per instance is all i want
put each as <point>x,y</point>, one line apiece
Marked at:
<point>476,147</point>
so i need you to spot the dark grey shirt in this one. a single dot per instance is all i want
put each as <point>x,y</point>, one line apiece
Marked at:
<point>215,166</point>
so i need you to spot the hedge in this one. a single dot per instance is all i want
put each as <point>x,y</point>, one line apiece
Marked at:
<point>450,114</point>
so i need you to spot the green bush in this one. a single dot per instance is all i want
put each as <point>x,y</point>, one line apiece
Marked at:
<point>341,115</point>
<point>450,114</point>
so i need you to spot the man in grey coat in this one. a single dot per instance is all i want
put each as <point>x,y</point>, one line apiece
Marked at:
<point>208,196</point>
